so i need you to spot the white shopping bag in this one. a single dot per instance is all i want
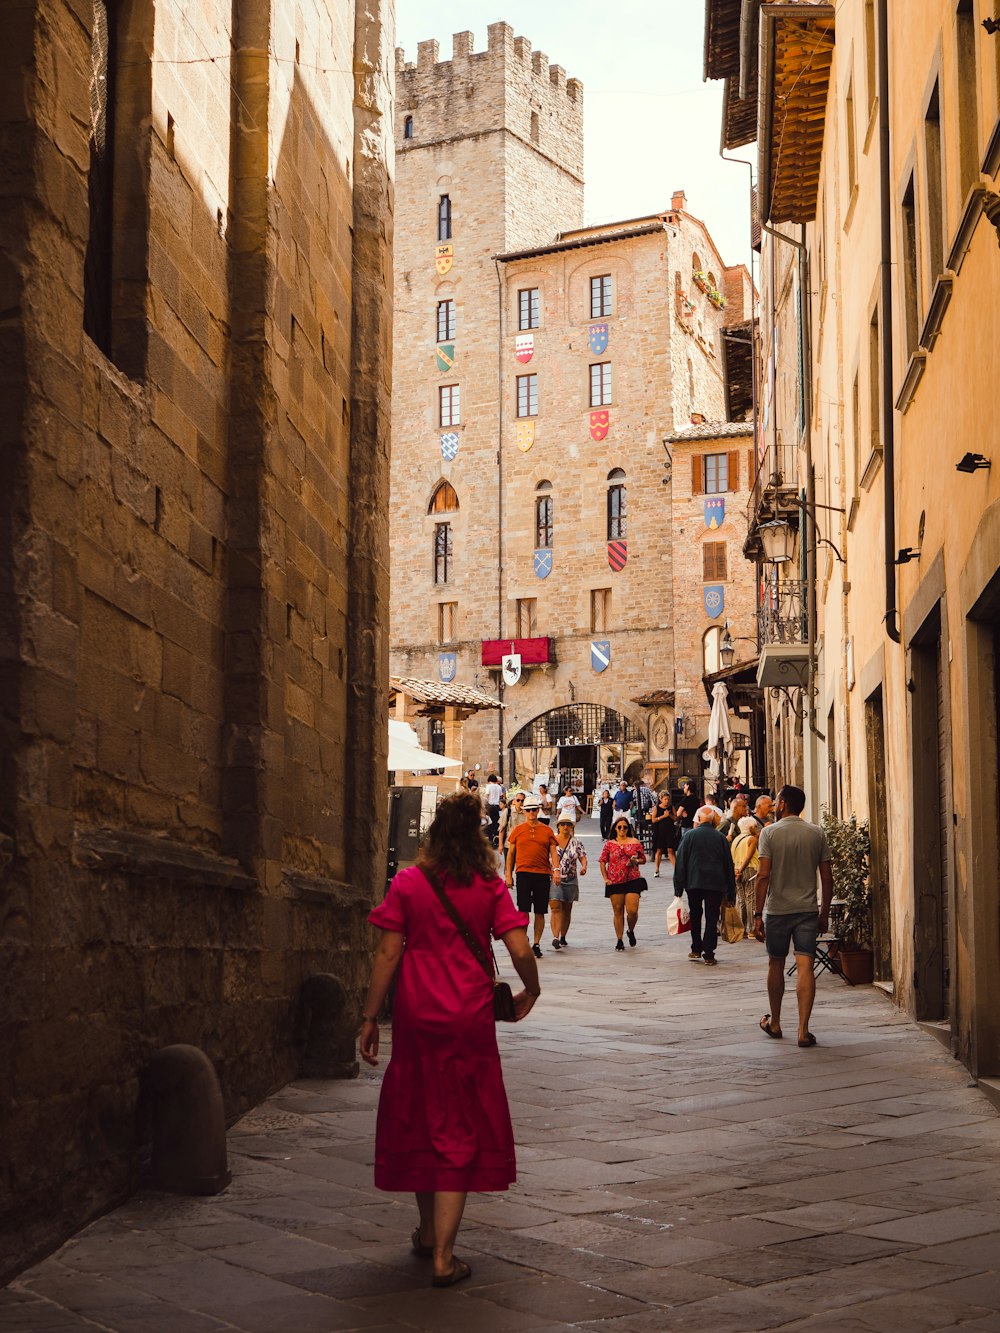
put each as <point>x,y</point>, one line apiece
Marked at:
<point>678,916</point>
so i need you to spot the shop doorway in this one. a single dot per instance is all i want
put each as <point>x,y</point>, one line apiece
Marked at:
<point>582,744</point>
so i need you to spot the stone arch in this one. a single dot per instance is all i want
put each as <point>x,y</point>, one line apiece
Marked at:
<point>444,498</point>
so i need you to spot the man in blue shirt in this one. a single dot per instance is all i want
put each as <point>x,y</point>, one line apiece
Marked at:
<point>623,797</point>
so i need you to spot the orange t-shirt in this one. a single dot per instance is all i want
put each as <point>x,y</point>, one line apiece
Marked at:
<point>531,843</point>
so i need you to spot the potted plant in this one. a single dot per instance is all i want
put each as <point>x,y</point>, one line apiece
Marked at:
<point>850,851</point>
<point>700,279</point>
<point>716,297</point>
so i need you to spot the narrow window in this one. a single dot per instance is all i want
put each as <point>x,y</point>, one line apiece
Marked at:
<point>534,127</point>
<point>444,218</point>
<point>856,431</point>
<point>616,506</point>
<point>408,128</point>
<point>446,321</point>
<point>444,500</point>
<point>449,401</point>
<point>600,384</point>
<point>442,552</point>
<point>447,625</point>
<point>935,187</point>
<point>543,521</point>
<point>690,385</point>
<point>713,560</point>
<point>875,382</point>
<point>871,80</point>
<point>100,182</point>
<point>600,610</point>
<point>716,473</point>
<point>527,617</point>
<point>852,144</point>
<point>527,395</point>
<point>527,308</point>
<point>437,737</point>
<point>968,82</point>
<point>911,304</point>
<point>600,296</point>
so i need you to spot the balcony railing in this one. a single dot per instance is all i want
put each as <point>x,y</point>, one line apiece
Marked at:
<point>782,619</point>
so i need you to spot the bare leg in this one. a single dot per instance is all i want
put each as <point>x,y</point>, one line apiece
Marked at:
<point>658,855</point>
<point>555,918</point>
<point>425,1206</point>
<point>448,1209</point>
<point>567,916</point>
<point>632,908</point>
<point>618,908</point>
<point>775,990</point>
<point>805,991</point>
<point>539,926</point>
<point>673,857</point>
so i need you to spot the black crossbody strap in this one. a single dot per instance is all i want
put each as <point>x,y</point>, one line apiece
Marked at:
<point>475,948</point>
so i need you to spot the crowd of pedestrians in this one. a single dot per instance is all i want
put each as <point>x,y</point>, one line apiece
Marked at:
<point>444,1125</point>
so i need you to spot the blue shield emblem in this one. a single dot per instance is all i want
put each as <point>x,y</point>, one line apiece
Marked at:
<point>715,511</point>
<point>447,666</point>
<point>598,340</point>
<point>543,563</point>
<point>715,600</point>
<point>449,445</point>
<point>600,654</point>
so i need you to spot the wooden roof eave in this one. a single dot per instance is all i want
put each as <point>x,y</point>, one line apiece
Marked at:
<point>809,108</point>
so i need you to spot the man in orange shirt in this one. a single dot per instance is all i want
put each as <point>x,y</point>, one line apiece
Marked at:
<point>533,854</point>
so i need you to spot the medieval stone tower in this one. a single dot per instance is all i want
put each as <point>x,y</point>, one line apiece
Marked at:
<point>489,159</point>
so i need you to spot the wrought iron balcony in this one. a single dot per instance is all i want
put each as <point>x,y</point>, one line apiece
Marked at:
<point>782,618</point>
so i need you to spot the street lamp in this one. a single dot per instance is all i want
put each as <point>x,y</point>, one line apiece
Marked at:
<point>778,540</point>
<point>727,649</point>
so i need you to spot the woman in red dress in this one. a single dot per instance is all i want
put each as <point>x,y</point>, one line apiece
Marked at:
<point>443,1121</point>
<point>620,859</point>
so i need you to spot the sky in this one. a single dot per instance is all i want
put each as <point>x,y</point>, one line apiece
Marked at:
<point>651,125</point>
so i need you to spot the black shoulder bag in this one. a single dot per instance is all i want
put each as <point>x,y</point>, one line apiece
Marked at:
<point>503,996</point>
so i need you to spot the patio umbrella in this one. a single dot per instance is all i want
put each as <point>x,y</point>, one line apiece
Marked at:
<point>406,755</point>
<point>720,738</point>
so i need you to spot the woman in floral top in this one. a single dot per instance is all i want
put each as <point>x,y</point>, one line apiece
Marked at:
<point>620,861</point>
<point>572,861</point>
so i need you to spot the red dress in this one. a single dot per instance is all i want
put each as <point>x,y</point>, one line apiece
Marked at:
<point>443,1119</point>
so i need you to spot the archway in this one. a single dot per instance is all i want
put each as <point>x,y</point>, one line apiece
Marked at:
<point>577,745</point>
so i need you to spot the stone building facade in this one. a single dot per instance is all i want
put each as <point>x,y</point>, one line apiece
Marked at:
<point>539,367</point>
<point>196,360</point>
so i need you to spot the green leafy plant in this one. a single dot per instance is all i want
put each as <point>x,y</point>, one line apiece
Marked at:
<point>850,851</point>
<point>716,297</point>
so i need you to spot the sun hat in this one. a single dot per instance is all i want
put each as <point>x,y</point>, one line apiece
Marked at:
<point>532,803</point>
<point>565,819</point>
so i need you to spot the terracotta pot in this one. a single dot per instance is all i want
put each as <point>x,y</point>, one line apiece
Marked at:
<point>858,965</point>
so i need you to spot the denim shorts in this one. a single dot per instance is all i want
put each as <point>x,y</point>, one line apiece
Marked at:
<point>799,929</point>
<point>566,891</point>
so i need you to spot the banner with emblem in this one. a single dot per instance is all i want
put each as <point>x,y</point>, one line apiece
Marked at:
<point>598,339</point>
<point>445,356</point>
<point>443,257</point>
<point>715,511</point>
<point>447,666</point>
<point>600,654</point>
<point>600,424</point>
<point>524,435</point>
<point>449,445</point>
<point>715,600</point>
<point>543,562</point>
<point>524,347</point>
<point>617,555</point>
<point>511,668</point>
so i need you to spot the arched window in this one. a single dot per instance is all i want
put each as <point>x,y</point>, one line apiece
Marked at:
<point>442,552</point>
<point>616,505</point>
<point>712,284</point>
<point>444,500</point>
<point>444,218</point>
<point>710,645</point>
<point>408,128</point>
<point>543,514</point>
<point>695,262</point>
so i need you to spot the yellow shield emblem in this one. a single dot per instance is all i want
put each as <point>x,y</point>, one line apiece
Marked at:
<point>443,257</point>
<point>525,436</point>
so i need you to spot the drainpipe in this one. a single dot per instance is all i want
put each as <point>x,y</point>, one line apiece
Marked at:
<point>885,326</point>
<point>809,516</point>
<point>501,770</point>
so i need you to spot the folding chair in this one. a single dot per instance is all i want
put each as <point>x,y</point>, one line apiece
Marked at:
<point>824,961</point>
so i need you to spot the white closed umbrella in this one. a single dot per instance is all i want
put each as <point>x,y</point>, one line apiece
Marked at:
<point>720,737</point>
<point>407,755</point>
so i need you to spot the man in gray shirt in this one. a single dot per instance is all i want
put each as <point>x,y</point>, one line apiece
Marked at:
<point>791,852</point>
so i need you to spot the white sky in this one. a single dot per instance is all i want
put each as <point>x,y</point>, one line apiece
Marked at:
<point>651,125</point>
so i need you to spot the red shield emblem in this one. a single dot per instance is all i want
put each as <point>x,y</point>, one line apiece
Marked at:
<point>524,347</point>
<point>600,423</point>
<point>617,556</point>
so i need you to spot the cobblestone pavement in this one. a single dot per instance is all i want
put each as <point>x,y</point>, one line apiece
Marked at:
<point>677,1170</point>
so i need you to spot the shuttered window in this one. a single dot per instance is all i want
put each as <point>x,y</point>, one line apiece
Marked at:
<point>713,555</point>
<point>715,474</point>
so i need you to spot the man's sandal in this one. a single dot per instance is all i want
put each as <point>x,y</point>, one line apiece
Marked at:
<point>459,1272</point>
<point>421,1250</point>
<point>810,1040</point>
<point>768,1030</point>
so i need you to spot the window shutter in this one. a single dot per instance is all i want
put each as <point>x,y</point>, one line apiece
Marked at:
<point>697,475</point>
<point>734,470</point>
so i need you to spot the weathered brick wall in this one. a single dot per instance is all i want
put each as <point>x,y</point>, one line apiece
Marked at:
<point>179,538</point>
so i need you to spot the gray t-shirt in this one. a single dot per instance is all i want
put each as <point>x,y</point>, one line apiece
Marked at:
<point>796,849</point>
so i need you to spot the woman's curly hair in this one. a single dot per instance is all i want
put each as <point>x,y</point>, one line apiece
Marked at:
<point>455,845</point>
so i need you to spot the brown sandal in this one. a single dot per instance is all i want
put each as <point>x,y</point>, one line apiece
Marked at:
<point>421,1250</point>
<point>768,1031</point>
<point>459,1272</point>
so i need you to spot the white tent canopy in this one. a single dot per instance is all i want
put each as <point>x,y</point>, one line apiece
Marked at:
<point>406,755</point>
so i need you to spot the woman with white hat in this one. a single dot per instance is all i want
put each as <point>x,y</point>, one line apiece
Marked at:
<point>565,892</point>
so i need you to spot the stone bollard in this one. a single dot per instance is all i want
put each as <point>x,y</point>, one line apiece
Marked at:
<point>330,1038</point>
<point>182,1092</point>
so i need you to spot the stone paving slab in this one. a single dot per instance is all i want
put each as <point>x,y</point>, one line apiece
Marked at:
<point>677,1170</point>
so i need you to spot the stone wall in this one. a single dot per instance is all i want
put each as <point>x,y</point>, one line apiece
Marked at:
<point>193,551</point>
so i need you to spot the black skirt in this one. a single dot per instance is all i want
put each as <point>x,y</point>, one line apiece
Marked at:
<point>665,838</point>
<point>637,885</point>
